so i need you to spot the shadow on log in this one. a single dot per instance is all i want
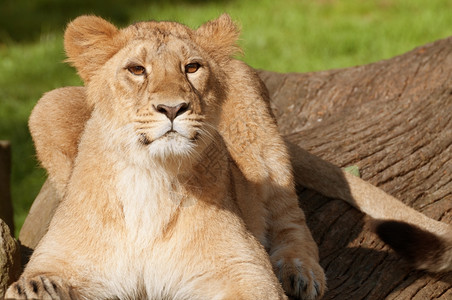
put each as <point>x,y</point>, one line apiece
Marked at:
<point>393,119</point>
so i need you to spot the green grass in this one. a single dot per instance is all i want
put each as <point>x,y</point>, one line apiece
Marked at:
<point>283,36</point>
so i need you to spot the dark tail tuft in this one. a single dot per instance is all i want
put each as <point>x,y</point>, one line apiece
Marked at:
<point>421,248</point>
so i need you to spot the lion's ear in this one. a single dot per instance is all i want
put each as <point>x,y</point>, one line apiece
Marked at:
<point>89,42</point>
<point>219,37</point>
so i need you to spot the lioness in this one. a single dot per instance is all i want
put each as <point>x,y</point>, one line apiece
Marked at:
<point>156,206</point>
<point>171,167</point>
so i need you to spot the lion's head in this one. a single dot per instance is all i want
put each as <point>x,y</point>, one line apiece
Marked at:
<point>160,84</point>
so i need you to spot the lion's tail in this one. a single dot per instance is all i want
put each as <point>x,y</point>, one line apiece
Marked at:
<point>424,242</point>
<point>421,248</point>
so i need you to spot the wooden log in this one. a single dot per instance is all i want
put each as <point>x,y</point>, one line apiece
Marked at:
<point>10,265</point>
<point>393,119</point>
<point>39,216</point>
<point>6,208</point>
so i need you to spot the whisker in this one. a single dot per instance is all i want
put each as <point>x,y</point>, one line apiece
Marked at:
<point>143,128</point>
<point>145,115</point>
<point>146,121</point>
<point>206,136</point>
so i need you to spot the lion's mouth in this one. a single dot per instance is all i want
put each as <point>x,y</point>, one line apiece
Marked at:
<point>169,135</point>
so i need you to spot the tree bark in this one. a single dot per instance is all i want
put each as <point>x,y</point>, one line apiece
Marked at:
<point>10,265</point>
<point>392,119</point>
<point>38,218</point>
<point>6,208</point>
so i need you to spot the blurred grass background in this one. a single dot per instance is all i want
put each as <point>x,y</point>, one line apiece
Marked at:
<point>283,36</point>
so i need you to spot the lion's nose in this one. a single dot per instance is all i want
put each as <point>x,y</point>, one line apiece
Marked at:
<point>172,112</point>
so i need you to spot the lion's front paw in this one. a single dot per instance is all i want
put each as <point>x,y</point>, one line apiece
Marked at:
<point>38,287</point>
<point>300,278</point>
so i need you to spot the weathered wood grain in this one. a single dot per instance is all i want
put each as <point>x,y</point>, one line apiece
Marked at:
<point>393,119</point>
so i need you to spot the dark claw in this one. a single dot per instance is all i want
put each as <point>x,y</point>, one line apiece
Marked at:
<point>317,287</point>
<point>304,285</point>
<point>19,289</point>
<point>34,286</point>
<point>292,280</point>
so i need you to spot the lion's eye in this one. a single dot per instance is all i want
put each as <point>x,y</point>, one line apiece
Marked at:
<point>137,70</point>
<point>192,68</point>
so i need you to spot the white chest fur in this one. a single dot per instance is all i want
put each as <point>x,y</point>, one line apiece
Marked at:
<point>149,199</point>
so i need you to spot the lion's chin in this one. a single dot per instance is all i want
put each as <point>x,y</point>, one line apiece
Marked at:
<point>172,145</point>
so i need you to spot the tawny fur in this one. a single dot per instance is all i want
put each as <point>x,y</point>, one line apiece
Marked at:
<point>159,209</point>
